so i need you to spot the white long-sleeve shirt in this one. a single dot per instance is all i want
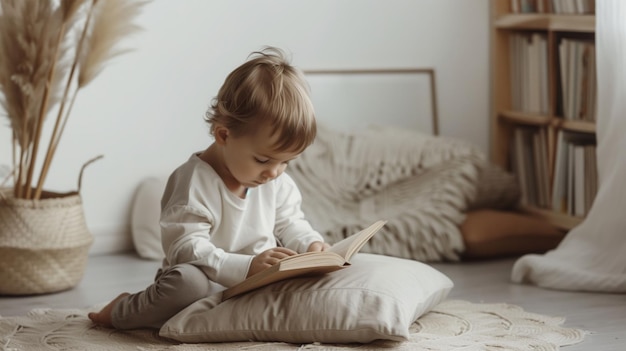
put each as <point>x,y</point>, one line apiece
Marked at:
<point>204,223</point>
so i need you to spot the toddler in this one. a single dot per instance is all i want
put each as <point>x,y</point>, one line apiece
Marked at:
<point>230,211</point>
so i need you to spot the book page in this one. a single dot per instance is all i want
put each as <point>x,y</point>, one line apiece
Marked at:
<point>352,244</point>
<point>312,258</point>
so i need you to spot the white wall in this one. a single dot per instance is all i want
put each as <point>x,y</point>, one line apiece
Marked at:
<point>144,112</point>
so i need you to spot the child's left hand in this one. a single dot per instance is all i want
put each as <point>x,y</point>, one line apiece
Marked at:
<point>317,246</point>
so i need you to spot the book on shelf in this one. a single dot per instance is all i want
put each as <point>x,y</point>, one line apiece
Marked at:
<point>529,72</point>
<point>591,175</point>
<point>571,7</point>
<point>529,155</point>
<point>577,61</point>
<point>559,196</point>
<point>570,185</point>
<point>542,172</point>
<point>553,6</point>
<point>528,6</point>
<point>579,180</point>
<point>574,184</point>
<point>308,263</point>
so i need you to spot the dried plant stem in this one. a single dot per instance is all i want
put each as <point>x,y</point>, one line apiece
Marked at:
<point>56,133</point>
<point>42,111</point>
<point>19,192</point>
<point>19,181</point>
<point>15,166</point>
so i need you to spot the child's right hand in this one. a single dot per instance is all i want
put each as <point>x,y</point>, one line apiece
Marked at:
<point>268,258</point>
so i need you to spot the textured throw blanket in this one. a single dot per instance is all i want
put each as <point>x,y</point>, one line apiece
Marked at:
<point>421,184</point>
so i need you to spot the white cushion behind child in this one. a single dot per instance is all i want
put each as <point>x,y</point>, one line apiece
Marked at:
<point>146,210</point>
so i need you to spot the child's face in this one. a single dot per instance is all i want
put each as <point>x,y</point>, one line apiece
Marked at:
<point>251,160</point>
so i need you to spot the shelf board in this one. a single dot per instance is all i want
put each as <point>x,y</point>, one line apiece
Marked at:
<point>542,21</point>
<point>526,118</point>
<point>579,126</point>
<point>560,220</point>
<point>543,120</point>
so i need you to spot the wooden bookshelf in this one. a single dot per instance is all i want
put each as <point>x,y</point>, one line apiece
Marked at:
<point>533,91</point>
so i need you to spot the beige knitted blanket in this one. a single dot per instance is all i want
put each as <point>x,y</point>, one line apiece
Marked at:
<point>451,325</point>
<point>421,184</point>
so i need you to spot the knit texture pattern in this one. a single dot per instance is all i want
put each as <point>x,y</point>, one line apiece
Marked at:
<point>421,184</point>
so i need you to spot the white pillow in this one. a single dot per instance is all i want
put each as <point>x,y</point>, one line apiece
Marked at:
<point>378,297</point>
<point>145,216</point>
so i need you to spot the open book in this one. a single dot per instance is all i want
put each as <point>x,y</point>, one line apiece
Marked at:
<point>335,258</point>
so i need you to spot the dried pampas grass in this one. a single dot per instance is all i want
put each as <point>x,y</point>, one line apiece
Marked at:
<point>51,49</point>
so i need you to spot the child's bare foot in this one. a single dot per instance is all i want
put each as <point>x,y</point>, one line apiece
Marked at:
<point>104,316</point>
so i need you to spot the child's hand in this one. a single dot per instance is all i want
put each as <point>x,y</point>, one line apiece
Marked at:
<point>317,246</point>
<point>268,258</point>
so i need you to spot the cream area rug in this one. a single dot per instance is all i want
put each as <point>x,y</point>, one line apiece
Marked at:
<point>451,325</point>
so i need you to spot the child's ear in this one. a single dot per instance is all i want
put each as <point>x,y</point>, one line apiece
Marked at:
<point>221,133</point>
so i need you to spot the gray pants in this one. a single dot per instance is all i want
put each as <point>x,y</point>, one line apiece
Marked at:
<point>173,289</point>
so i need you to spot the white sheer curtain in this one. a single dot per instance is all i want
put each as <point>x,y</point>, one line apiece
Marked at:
<point>592,257</point>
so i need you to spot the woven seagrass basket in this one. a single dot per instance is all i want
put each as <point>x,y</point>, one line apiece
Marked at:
<point>43,243</point>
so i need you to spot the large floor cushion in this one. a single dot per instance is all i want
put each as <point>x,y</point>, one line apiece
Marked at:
<point>378,297</point>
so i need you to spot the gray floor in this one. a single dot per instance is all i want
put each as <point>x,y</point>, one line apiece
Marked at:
<point>488,281</point>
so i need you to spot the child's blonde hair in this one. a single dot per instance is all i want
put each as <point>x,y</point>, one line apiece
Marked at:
<point>266,89</point>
